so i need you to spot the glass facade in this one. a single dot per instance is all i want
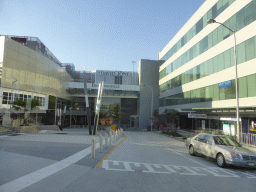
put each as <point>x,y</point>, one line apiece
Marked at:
<point>238,21</point>
<point>216,10</point>
<point>247,88</point>
<point>245,52</point>
<point>34,72</point>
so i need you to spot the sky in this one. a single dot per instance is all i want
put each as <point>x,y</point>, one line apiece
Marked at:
<point>98,34</point>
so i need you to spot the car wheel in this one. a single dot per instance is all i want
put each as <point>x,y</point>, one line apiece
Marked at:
<point>221,160</point>
<point>191,150</point>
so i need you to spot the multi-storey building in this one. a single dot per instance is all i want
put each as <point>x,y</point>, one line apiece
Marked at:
<point>198,70</point>
<point>30,70</point>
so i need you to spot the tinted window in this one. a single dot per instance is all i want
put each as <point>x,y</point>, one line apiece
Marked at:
<point>222,140</point>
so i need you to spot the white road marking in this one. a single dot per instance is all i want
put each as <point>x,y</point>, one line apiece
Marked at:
<point>190,171</point>
<point>174,169</point>
<point>36,176</point>
<point>150,169</point>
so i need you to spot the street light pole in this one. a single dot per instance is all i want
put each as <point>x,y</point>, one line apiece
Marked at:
<point>210,21</point>
<point>151,105</point>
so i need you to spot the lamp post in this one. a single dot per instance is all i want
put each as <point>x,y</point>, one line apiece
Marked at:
<point>210,21</point>
<point>151,104</point>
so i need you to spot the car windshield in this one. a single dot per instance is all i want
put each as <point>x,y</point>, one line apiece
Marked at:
<point>223,140</point>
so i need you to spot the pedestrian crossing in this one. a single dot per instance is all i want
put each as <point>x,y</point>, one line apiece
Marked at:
<point>111,165</point>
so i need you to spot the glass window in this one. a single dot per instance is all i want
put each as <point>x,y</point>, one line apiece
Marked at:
<point>250,49</point>
<point>199,25</point>
<point>223,92</point>
<point>210,41</point>
<point>208,93</point>
<point>240,53</point>
<point>240,19</point>
<point>220,59</point>
<point>242,83</point>
<point>202,94</point>
<point>227,63</point>
<point>220,33</point>
<point>215,64</point>
<point>198,72</point>
<point>232,57</point>
<point>249,14</point>
<point>231,91</point>
<point>194,73</point>
<point>251,82</point>
<point>216,92</point>
<point>215,37</point>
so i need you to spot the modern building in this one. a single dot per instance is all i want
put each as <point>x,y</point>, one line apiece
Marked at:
<point>30,70</point>
<point>198,74</point>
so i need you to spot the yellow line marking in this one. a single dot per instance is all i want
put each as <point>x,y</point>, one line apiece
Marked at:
<point>110,153</point>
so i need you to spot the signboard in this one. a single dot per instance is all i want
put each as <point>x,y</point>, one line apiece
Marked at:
<point>197,116</point>
<point>113,86</point>
<point>229,129</point>
<point>225,84</point>
<point>114,73</point>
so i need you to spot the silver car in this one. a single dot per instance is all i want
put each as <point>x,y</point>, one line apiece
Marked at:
<point>225,150</point>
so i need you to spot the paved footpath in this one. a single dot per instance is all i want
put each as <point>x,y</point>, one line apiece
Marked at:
<point>142,161</point>
<point>48,161</point>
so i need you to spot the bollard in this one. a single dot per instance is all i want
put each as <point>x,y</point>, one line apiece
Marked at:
<point>106,141</point>
<point>93,148</point>
<point>110,137</point>
<point>101,143</point>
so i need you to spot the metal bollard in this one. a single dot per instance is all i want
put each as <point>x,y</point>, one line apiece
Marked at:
<point>93,148</point>
<point>106,140</point>
<point>101,143</point>
<point>110,137</point>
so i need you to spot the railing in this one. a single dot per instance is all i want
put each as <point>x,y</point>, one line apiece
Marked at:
<point>249,139</point>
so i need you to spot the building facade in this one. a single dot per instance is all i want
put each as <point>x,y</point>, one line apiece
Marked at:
<point>30,70</point>
<point>198,71</point>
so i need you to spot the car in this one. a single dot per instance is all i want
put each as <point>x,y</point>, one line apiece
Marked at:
<point>224,149</point>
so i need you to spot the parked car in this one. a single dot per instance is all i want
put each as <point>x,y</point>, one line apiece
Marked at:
<point>224,149</point>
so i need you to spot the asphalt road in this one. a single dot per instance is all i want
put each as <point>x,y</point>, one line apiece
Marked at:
<point>144,161</point>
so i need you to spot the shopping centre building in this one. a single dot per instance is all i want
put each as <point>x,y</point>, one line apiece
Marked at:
<point>197,77</point>
<point>30,70</point>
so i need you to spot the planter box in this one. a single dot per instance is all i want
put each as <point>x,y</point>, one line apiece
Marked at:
<point>28,129</point>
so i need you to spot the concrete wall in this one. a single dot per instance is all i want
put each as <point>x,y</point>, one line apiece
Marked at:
<point>149,76</point>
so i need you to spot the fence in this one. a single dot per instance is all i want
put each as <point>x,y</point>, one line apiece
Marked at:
<point>249,139</point>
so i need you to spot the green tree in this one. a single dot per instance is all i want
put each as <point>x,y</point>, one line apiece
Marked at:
<point>115,112</point>
<point>20,104</point>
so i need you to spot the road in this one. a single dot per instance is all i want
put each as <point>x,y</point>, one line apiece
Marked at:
<point>141,161</point>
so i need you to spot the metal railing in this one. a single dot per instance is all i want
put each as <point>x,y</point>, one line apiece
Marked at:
<point>248,139</point>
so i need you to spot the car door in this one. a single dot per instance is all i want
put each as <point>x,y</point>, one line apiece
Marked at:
<point>207,146</point>
<point>198,142</point>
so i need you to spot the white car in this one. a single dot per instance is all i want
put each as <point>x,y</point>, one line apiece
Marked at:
<point>225,150</point>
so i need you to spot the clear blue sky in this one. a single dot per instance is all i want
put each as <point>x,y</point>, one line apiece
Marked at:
<point>98,34</point>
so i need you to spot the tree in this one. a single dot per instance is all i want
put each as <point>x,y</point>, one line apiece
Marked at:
<point>20,104</point>
<point>115,112</point>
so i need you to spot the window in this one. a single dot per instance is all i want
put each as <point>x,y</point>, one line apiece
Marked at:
<point>250,49</point>
<point>251,82</point>
<point>240,53</point>
<point>242,83</point>
<point>216,93</point>
<point>227,63</point>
